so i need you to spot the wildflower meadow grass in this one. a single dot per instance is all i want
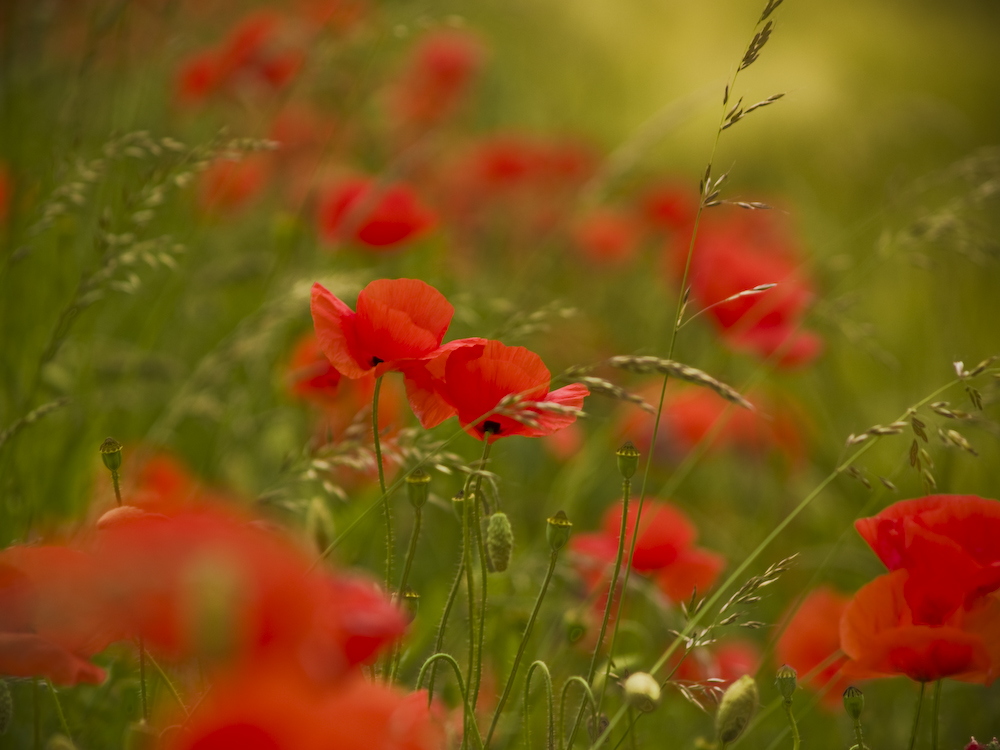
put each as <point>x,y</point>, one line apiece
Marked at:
<point>414,376</point>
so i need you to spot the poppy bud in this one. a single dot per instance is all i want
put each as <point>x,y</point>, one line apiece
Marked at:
<point>854,702</point>
<point>6,707</point>
<point>576,628</point>
<point>628,460</point>
<point>787,680</point>
<point>642,692</point>
<point>111,454</point>
<point>499,541</point>
<point>417,487</point>
<point>738,705</point>
<point>140,736</point>
<point>557,530</point>
<point>410,603</point>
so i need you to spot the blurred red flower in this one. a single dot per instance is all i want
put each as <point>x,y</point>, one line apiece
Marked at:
<point>736,255</point>
<point>812,636</point>
<point>726,661</point>
<point>670,208</point>
<point>607,235</point>
<point>229,186</point>
<point>436,78</point>
<point>371,215</point>
<point>311,376</point>
<point>950,544</point>
<point>880,635</point>
<point>665,549</point>
<point>475,375</point>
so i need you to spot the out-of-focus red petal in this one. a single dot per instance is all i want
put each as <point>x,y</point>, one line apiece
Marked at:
<point>29,655</point>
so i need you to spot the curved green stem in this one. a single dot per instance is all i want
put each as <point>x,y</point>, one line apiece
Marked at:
<point>477,663</point>
<point>396,650</point>
<point>589,696</point>
<point>522,645</point>
<point>455,585</point>
<point>59,711</point>
<point>470,720</point>
<point>527,689</point>
<point>796,741</point>
<point>916,716</point>
<point>381,484</point>
<point>142,679</point>
<point>937,711</point>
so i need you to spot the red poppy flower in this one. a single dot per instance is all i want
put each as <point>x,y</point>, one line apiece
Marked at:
<point>726,661</point>
<point>475,375</point>
<point>880,635</point>
<point>949,543</point>
<point>607,236</point>
<point>30,655</point>
<point>228,186</point>
<point>438,75</point>
<point>812,636</point>
<point>737,255</point>
<point>372,215</point>
<point>310,373</point>
<point>199,77</point>
<point>671,208</point>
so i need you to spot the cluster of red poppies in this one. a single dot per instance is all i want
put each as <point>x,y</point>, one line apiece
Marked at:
<point>936,614</point>
<point>189,577</point>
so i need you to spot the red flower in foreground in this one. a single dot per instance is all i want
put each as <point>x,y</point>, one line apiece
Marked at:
<point>665,548</point>
<point>811,637</point>
<point>878,632</point>
<point>736,256</point>
<point>472,379</point>
<point>372,215</point>
<point>950,544</point>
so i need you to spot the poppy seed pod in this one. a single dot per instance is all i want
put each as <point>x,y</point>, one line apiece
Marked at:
<point>111,454</point>
<point>417,486</point>
<point>787,680</point>
<point>854,702</point>
<point>140,736</point>
<point>738,705</point>
<point>628,460</point>
<point>411,603</point>
<point>557,530</point>
<point>642,692</point>
<point>6,707</point>
<point>499,541</point>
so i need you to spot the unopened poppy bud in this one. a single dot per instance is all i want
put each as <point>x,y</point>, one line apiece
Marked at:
<point>417,486</point>
<point>6,707</point>
<point>787,679</point>
<point>576,628</point>
<point>111,454</point>
<point>737,707</point>
<point>854,702</point>
<point>557,530</point>
<point>642,692</point>
<point>411,603</point>
<point>140,736</point>
<point>499,541</point>
<point>628,460</point>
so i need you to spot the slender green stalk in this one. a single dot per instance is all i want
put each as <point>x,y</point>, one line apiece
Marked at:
<point>395,651</point>
<point>484,573</point>
<point>455,585</point>
<point>607,609</point>
<point>470,587</point>
<point>937,713</point>
<point>59,712</point>
<point>796,741</point>
<point>118,491</point>
<point>527,704</point>
<point>381,484</point>
<point>588,698</point>
<point>916,716</point>
<point>36,699</point>
<point>169,684</point>
<point>142,679</point>
<point>524,642</point>
<point>470,721</point>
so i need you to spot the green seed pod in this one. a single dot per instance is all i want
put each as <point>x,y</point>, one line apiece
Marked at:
<point>499,541</point>
<point>787,679</point>
<point>557,531</point>
<point>6,707</point>
<point>854,702</point>
<point>458,504</point>
<point>738,705</point>
<point>111,454</point>
<point>642,692</point>
<point>417,486</point>
<point>411,603</point>
<point>576,628</point>
<point>628,460</point>
<point>140,736</point>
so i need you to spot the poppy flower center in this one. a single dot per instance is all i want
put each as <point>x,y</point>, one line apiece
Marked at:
<point>491,427</point>
<point>376,361</point>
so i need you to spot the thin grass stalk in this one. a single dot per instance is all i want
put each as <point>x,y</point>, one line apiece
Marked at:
<point>36,699</point>
<point>916,716</point>
<point>381,484</point>
<point>523,644</point>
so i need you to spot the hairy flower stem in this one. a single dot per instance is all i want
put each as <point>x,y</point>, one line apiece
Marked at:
<point>937,713</point>
<point>607,610</point>
<point>916,716</point>
<point>455,585</point>
<point>118,492</point>
<point>477,526</point>
<point>36,699</point>
<point>395,651</point>
<point>142,679</point>
<point>796,741</point>
<point>381,484</point>
<point>59,712</point>
<point>527,704</point>
<point>524,642</point>
<point>470,720</point>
